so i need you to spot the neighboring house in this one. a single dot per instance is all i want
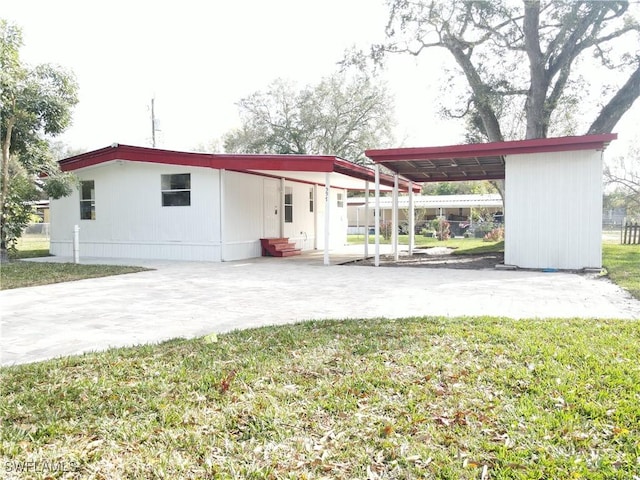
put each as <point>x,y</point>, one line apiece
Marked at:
<point>456,208</point>
<point>136,202</point>
<point>612,217</point>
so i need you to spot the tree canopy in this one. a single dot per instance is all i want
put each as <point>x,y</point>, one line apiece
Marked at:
<point>35,103</point>
<point>338,116</point>
<point>528,61</point>
<point>622,176</point>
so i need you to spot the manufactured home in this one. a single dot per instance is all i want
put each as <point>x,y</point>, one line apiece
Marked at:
<point>135,202</point>
<point>139,202</point>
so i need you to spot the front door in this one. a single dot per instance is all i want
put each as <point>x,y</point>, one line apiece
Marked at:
<point>271,206</point>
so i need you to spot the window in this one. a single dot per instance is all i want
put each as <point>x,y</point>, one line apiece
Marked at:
<point>87,200</point>
<point>176,190</point>
<point>311,199</point>
<point>288,205</point>
<point>340,201</point>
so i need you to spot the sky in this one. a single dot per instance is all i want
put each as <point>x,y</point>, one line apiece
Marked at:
<point>198,58</point>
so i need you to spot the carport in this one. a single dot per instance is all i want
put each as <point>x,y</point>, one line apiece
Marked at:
<point>552,193</point>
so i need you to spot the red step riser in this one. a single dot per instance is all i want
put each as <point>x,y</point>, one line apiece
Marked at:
<point>278,247</point>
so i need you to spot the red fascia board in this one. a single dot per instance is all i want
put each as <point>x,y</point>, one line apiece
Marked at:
<point>134,154</point>
<point>537,145</point>
<point>270,162</point>
<point>304,163</point>
<point>236,162</point>
<point>364,173</point>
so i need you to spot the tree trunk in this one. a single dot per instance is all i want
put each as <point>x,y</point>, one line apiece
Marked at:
<point>480,91</point>
<point>622,101</point>
<point>4,191</point>
<point>535,104</point>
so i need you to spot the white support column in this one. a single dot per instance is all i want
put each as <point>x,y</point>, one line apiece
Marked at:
<point>221,179</point>
<point>316,225</point>
<point>377,215</point>
<point>412,220</point>
<point>366,219</point>
<point>281,208</point>
<point>394,218</point>
<point>327,215</point>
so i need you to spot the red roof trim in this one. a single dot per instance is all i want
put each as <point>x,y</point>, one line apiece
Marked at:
<point>237,162</point>
<point>560,144</point>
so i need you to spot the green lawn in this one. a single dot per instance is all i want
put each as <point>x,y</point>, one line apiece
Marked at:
<point>462,245</point>
<point>31,246</point>
<point>462,398</point>
<point>622,263</point>
<point>29,274</point>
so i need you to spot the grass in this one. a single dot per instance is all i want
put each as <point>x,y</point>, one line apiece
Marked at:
<point>462,245</point>
<point>29,274</point>
<point>31,246</point>
<point>415,398</point>
<point>622,263</point>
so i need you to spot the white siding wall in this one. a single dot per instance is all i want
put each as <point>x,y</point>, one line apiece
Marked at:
<point>243,223</point>
<point>301,230</point>
<point>131,222</point>
<point>553,211</point>
<point>130,219</point>
<point>338,225</point>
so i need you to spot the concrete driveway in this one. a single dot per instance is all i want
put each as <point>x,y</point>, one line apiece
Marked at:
<point>187,299</point>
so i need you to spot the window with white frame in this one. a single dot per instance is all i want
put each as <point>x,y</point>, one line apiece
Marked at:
<point>311,199</point>
<point>340,200</point>
<point>176,190</point>
<point>288,205</point>
<point>87,200</point>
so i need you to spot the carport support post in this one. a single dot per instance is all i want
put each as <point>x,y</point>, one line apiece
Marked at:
<point>377,216</point>
<point>395,217</point>
<point>76,244</point>
<point>366,219</point>
<point>327,215</point>
<point>412,220</point>
<point>221,179</point>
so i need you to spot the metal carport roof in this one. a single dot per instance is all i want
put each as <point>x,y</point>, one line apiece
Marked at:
<point>477,161</point>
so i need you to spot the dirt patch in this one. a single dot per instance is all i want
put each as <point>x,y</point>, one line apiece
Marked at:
<point>438,257</point>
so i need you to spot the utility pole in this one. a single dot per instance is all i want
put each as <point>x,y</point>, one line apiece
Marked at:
<point>153,123</point>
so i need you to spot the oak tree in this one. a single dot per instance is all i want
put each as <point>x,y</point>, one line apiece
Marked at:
<point>536,58</point>
<point>339,116</point>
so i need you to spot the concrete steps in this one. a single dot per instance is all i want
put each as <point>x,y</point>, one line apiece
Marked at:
<point>278,247</point>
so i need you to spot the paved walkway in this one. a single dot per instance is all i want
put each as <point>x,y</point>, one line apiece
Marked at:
<point>187,299</point>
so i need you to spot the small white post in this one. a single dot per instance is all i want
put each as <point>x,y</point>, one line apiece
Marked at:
<point>76,244</point>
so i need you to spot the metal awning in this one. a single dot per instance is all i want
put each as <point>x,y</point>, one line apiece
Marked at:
<point>479,161</point>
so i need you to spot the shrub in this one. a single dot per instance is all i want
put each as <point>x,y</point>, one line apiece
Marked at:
<point>442,228</point>
<point>385,229</point>
<point>494,235</point>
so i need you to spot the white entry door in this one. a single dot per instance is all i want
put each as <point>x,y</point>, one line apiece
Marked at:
<point>271,206</point>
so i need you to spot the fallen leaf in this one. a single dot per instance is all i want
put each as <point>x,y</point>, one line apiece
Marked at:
<point>211,338</point>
